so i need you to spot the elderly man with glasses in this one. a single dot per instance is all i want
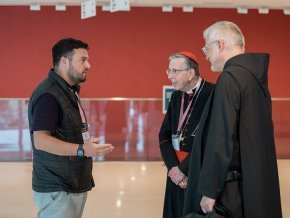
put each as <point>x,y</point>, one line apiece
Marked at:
<point>179,126</point>
<point>234,165</point>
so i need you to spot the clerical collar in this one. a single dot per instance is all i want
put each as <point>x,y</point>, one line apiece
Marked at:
<point>196,87</point>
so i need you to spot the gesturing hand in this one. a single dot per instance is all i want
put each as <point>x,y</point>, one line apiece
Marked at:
<point>92,149</point>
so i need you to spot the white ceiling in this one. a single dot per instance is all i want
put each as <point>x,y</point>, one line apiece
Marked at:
<point>251,4</point>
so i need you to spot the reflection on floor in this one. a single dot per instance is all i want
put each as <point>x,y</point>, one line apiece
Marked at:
<point>123,190</point>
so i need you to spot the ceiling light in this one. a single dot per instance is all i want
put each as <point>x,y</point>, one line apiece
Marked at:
<point>286,11</point>
<point>263,10</point>
<point>242,10</point>
<point>167,8</point>
<point>60,7</point>
<point>187,8</point>
<point>35,7</point>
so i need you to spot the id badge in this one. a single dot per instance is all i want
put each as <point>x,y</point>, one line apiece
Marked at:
<point>85,132</point>
<point>175,142</point>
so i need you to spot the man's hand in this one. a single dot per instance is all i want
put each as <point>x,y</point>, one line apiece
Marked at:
<point>183,183</point>
<point>176,175</point>
<point>207,204</point>
<point>92,149</point>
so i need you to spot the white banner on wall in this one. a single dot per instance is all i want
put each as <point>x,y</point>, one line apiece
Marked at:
<point>88,9</point>
<point>120,5</point>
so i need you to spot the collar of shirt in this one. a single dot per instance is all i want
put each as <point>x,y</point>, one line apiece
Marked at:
<point>196,87</point>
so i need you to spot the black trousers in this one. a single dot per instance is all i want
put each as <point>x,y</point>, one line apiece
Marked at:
<point>173,201</point>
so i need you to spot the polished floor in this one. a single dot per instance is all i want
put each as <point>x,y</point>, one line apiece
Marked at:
<point>123,190</point>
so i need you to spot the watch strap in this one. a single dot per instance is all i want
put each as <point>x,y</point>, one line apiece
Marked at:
<point>80,150</point>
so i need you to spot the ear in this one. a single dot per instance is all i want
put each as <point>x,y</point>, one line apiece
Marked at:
<point>63,61</point>
<point>192,74</point>
<point>221,45</point>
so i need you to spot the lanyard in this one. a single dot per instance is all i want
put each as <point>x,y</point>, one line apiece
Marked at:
<point>182,115</point>
<point>83,116</point>
<point>85,129</point>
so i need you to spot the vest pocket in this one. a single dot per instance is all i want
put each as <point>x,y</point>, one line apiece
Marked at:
<point>81,173</point>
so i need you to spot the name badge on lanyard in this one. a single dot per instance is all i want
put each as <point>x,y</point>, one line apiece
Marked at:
<point>176,141</point>
<point>85,127</point>
<point>178,137</point>
<point>85,132</point>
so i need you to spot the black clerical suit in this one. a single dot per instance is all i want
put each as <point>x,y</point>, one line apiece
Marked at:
<point>174,195</point>
<point>236,133</point>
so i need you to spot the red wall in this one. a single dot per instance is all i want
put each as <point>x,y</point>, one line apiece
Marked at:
<point>129,50</point>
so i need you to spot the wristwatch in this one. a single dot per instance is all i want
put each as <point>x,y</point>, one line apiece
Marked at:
<point>80,151</point>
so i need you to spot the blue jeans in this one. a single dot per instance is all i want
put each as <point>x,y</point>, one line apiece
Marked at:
<point>60,204</point>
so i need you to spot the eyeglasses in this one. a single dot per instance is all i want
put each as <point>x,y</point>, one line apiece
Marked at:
<point>205,48</point>
<point>175,71</point>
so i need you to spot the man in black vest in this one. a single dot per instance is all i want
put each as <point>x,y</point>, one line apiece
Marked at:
<point>62,147</point>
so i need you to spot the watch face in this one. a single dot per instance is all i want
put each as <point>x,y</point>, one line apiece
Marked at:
<point>80,152</point>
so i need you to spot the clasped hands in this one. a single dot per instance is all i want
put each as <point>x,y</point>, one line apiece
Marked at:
<point>177,177</point>
<point>180,179</point>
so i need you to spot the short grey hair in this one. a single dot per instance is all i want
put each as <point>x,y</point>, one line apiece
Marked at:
<point>227,31</point>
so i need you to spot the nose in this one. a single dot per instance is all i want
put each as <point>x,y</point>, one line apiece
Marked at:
<point>206,57</point>
<point>170,76</point>
<point>88,66</point>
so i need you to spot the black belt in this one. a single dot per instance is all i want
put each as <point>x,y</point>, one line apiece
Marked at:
<point>233,176</point>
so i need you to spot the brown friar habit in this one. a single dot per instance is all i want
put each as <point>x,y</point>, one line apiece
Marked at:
<point>236,133</point>
<point>174,195</point>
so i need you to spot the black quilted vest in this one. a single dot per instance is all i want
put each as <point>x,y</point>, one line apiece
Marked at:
<point>60,173</point>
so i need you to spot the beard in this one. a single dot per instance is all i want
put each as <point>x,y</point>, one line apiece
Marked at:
<point>75,76</point>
